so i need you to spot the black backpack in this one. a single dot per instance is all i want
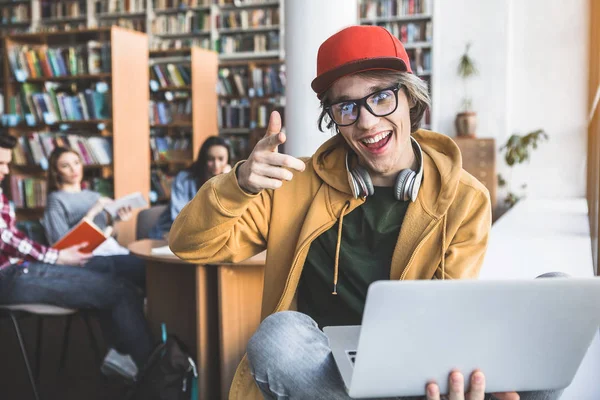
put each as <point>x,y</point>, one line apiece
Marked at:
<point>169,374</point>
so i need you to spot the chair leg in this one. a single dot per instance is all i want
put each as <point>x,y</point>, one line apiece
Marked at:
<point>38,347</point>
<point>65,343</point>
<point>86,318</point>
<point>24,353</point>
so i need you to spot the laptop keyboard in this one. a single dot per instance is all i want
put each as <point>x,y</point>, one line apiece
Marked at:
<point>351,356</point>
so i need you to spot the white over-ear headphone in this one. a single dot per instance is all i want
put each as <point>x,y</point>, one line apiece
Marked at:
<point>408,181</point>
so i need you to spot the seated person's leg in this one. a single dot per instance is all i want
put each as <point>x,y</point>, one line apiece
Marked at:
<point>290,358</point>
<point>127,267</point>
<point>82,288</point>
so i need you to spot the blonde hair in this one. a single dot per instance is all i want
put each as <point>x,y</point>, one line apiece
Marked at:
<point>414,88</point>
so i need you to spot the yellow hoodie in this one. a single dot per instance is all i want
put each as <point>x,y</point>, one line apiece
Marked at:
<point>444,234</point>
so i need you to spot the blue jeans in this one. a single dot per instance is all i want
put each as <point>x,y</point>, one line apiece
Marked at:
<point>290,358</point>
<point>108,285</point>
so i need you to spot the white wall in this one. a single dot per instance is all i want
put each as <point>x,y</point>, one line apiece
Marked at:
<point>532,57</point>
<point>307,24</point>
<point>550,75</point>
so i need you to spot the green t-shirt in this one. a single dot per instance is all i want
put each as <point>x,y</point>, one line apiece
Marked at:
<point>369,236</point>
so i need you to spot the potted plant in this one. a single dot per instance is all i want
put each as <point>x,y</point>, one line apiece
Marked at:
<point>517,150</point>
<point>466,120</point>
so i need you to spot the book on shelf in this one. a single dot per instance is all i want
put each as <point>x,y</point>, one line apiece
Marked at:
<point>170,112</point>
<point>120,6</point>
<point>233,81</point>
<point>180,43</point>
<point>240,147</point>
<point>164,148</point>
<point>171,74</point>
<point>182,23</point>
<point>234,113</point>
<point>410,32</point>
<point>35,148</point>
<point>52,102</point>
<point>104,186</point>
<point>245,19</point>
<point>160,185</point>
<point>86,231</point>
<point>14,13</point>
<point>136,24</point>
<point>56,9</point>
<point>248,42</point>
<point>27,192</point>
<point>180,4</point>
<point>242,3</point>
<point>372,9</point>
<point>36,61</point>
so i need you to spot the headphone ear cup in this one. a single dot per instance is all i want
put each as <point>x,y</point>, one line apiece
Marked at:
<point>404,183</point>
<point>363,175</point>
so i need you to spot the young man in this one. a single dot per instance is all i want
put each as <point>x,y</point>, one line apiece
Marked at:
<point>32,273</point>
<point>382,199</point>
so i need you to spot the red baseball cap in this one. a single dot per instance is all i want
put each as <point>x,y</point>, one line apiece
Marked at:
<point>356,49</point>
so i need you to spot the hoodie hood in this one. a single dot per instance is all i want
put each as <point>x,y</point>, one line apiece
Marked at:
<point>442,165</point>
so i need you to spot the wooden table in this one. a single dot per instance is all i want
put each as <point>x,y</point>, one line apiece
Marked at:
<point>213,309</point>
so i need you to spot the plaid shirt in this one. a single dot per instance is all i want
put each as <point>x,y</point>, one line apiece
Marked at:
<point>14,245</point>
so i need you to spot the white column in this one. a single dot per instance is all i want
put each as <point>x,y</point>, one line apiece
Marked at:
<point>307,24</point>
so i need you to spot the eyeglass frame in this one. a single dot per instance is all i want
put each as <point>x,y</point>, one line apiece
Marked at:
<point>363,103</point>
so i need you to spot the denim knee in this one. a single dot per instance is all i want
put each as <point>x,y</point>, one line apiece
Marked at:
<point>279,339</point>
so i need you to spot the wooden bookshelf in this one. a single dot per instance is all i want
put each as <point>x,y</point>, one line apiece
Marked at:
<point>202,123</point>
<point>411,21</point>
<point>126,128</point>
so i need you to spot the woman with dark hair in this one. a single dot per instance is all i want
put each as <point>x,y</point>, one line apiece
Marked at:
<point>213,159</point>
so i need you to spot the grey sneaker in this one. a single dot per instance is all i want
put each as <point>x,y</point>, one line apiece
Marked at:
<point>120,365</point>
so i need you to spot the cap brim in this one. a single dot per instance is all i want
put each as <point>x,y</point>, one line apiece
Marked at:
<point>323,82</point>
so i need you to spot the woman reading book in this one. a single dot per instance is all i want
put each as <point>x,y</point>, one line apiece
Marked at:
<point>213,159</point>
<point>68,203</point>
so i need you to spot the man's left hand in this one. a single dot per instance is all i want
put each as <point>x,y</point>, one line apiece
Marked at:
<point>456,385</point>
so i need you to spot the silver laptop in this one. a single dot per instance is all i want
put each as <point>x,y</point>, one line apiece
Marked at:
<point>524,335</point>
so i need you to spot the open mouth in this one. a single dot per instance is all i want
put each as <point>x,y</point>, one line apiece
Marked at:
<point>376,142</point>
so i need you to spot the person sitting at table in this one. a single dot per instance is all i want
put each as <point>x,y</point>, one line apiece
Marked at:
<point>33,273</point>
<point>213,159</point>
<point>68,203</point>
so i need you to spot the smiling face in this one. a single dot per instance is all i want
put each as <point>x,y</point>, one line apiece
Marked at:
<point>382,144</point>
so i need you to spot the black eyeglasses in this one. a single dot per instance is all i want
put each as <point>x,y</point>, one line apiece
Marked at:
<point>381,103</point>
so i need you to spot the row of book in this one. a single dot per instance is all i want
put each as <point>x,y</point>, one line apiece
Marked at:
<point>162,112</point>
<point>245,19</point>
<point>257,43</point>
<point>181,43</point>
<point>129,23</point>
<point>189,22</point>
<point>267,80</point>
<point>180,4</point>
<point>170,148</point>
<point>57,104</point>
<point>160,185</point>
<point>263,111</point>
<point>11,14</point>
<point>171,74</point>
<point>410,32</point>
<point>35,148</point>
<point>420,60</point>
<point>371,9</point>
<point>63,8</point>
<point>36,61</point>
<point>28,192</point>
<point>234,114</point>
<point>120,6</point>
<point>243,2</point>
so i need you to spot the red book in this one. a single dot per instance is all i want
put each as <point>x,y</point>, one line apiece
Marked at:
<point>84,231</point>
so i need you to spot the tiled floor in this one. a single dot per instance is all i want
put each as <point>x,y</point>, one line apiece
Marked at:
<point>81,378</point>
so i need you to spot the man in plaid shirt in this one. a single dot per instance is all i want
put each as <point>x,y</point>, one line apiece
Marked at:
<point>33,273</point>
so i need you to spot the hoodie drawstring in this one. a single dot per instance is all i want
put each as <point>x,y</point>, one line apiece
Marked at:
<point>444,247</point>
<point>337,248</point>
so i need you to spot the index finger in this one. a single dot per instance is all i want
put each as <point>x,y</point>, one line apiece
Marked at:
<point>274,126</point>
